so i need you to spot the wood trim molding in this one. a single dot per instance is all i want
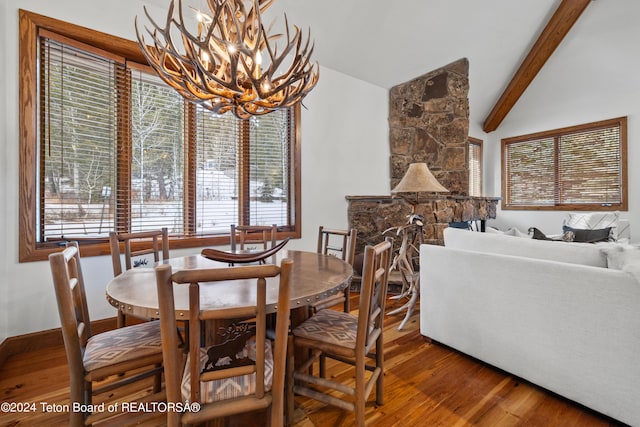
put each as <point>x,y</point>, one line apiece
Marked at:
<point>43,339</point>
<point>555,31</point>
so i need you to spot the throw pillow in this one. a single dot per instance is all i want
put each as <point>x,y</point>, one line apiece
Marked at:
<point>625,258</point>
<point>618,256</point>
<point>567,235</point>
<point>633,268</point>
<point>493,230</point>
<point>519,233</point>
<point>595,221</point>
<point>537,234</point>
<point>513,231</point>
<point>588,235</point>
<point>509,232</point>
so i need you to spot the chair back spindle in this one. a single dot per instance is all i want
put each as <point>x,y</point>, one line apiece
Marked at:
<point>340,243</point>
<point>68,283</point>
<point>244,235</point>
<point>153,242</point>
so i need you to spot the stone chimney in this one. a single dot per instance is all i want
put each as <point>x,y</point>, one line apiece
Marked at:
<point>429,122</point>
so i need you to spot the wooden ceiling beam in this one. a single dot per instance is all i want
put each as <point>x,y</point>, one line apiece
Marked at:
<point>557,28</point>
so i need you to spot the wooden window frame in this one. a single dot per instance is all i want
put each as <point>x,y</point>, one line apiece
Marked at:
<point>555,134</point>
<point>31,250</point>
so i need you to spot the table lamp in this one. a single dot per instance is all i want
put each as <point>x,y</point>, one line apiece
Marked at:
<point>418,179</point>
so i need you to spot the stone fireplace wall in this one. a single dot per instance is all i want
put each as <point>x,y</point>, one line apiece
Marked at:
<point>373,215</point>
<point>428,122</point>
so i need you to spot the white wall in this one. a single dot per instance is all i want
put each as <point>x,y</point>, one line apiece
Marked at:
<point>592,76</point>
<point>345,149</point>
<point>344,152</point>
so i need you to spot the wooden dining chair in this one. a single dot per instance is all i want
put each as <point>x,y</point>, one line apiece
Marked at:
<point>346,338</point>
<point>119,357</point>
<point>154,242</point>
<point>340,243</point>
<point>242,236</point>
<point>238,375</point>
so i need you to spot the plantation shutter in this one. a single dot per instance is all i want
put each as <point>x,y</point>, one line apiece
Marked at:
<point>475,168</point>
<point>78,115</point>
<point>269,159</point>
<point>529,168</point>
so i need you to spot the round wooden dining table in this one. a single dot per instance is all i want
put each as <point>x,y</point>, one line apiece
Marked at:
<point>314,277</point>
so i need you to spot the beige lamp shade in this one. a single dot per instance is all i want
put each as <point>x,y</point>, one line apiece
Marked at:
<point>419,178</point>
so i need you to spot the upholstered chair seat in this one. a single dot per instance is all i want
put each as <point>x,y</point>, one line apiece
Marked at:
<point>331,327</point>
<point>113,347</point>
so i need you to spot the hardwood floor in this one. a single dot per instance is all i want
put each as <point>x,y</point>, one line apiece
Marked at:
<point>426,384</point>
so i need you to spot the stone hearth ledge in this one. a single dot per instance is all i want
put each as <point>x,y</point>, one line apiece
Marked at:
<point>372,215</point>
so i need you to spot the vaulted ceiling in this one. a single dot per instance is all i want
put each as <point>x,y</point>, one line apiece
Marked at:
<point>389,42</point>
<point>386,43</point>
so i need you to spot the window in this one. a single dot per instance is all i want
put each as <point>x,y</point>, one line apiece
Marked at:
<point>474,148</point>
<point>578,168</point>
<point>106,145</point>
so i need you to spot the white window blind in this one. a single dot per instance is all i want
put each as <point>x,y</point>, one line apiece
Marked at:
<point>217,177</point>
<point>77,142</point>
<point>589,166</point>
<point>475,167</point>
<point>157,160</point>
<point>269,165</point>
<point>530,172</point>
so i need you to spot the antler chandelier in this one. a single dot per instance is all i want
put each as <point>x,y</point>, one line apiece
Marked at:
<point>231,63</point>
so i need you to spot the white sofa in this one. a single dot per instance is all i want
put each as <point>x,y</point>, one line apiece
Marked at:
<point>549,312</point>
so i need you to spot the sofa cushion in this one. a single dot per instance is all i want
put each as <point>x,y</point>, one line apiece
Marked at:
<point>574,253</point>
